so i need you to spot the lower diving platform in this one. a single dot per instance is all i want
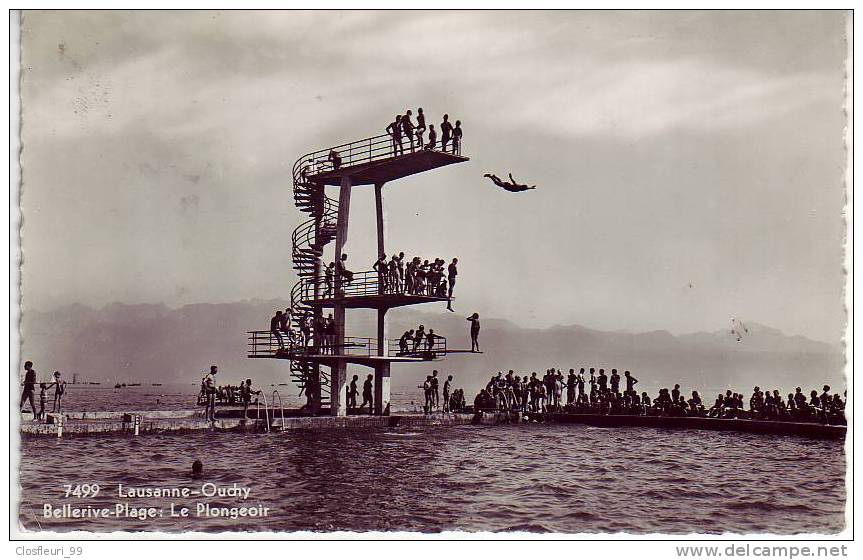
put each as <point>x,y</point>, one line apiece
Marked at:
<point>354,350</point>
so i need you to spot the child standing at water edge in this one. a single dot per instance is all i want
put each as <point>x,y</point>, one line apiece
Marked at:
<point>59,390</point>
<point>43,400</point>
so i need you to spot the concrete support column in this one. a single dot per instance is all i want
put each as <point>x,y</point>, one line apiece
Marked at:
<point>338,373</point>
<point>382,389</point>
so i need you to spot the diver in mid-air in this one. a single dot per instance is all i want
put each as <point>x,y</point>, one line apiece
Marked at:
<point>511,186</point>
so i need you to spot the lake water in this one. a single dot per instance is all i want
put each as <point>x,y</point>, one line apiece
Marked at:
<point>531,477</point>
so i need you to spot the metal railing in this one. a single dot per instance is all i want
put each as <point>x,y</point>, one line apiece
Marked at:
<point>281,407</point>
<point>367,150</point>
<point>364,283</point>
<point>266,344</point>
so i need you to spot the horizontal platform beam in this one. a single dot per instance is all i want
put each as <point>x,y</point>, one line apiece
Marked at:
<point>389,169</point>
<point>383,301</point>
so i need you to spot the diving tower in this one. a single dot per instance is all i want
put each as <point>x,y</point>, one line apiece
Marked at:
<point>371,162</point>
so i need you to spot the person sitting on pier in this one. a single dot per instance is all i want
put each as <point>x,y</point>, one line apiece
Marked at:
<point>408,128</point>
<point>456,138</point>
<point>474,332</point>
<point>382,268</point>
<point>276,328</point>
<point>353,393</point>
<point>403,341</point>
<point>419,337</point>
<point>394,129</point>
<point>446,133</point>
<point>432,138</point>
<point>421,127</point>
<point>696,405</point>
<point>484,402</point>
<point>799,399</point>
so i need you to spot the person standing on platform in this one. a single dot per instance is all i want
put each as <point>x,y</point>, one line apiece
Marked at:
<point>29,387</point>
<point>421,127</point>
<point>368,394</point>
<point>571,382</point>
<point>403,341</point>
<point>452,272</point>
<point>59,390</point>
<point>395,131</point>
<point>456,138</point>
<point>328,279</point>
<point>408,128</point>
<point>446,132</point>
<point>210,385</point>
<point>382,268</point>
<point>474,332</point>
<point>447,388</point>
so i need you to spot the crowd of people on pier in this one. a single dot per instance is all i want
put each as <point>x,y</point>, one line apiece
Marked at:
<point>402,129</point>
<point>596,392</point>
<point>452,401</point>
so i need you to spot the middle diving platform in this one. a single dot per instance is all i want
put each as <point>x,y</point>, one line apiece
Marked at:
<point>355,350</point>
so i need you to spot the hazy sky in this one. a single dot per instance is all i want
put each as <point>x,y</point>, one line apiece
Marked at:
<point>689,164</point>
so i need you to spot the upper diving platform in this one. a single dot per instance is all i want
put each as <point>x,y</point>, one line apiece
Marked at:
<point>375,160</point>
<point>365,291</point>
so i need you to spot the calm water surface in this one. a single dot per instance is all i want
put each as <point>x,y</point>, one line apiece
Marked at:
<point>531,477</point>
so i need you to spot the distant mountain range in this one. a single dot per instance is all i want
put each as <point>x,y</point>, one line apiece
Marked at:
<point>155,343</point>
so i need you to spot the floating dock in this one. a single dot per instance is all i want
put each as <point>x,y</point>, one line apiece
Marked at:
<point>772,427</point>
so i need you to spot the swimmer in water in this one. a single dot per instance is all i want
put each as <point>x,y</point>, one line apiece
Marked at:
<point>197,469</point>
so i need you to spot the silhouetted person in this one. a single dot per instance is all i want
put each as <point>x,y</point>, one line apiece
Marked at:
<point>395,131</point>
<point>630,382</point>
<point>335,160</point>
<point>210,384</point>
<point>353,393</point>
<point>432,138</point>
<point>452,272</point>
<point>419,337</point>
<point>246,393</point>
<point>342,272</point>
<point>404,340</point>
<point>447,387</point>
<point>59,390</point>
<point>446,132</point>
<point>456,138</point>
<point>275,328</point>
<point>421,127</point>
<point>511,187</point>
<point>368,394</point>
<point>29,387</point>
<point>474,332</point>
<point>408,128</point>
